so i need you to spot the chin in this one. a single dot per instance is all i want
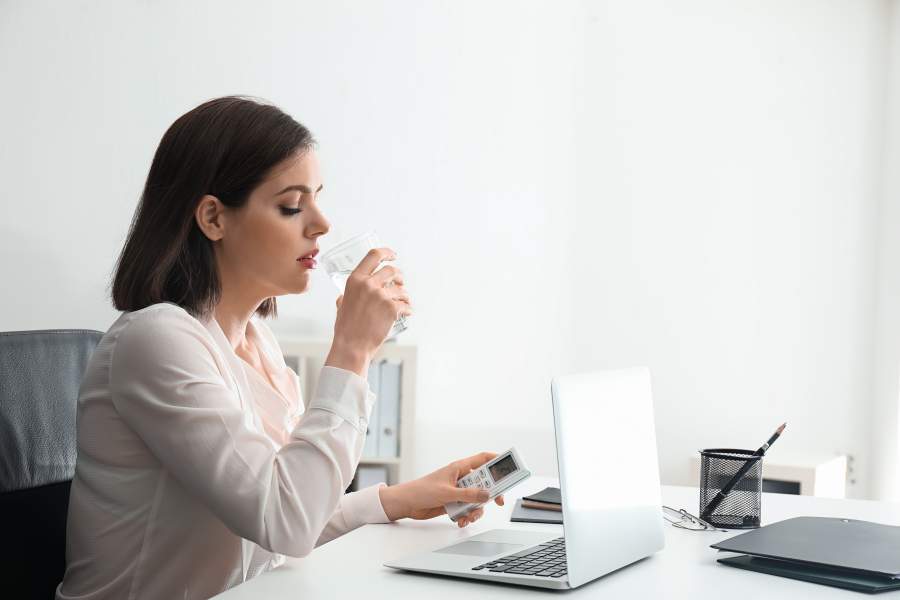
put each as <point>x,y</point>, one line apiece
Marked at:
<point>292,287</point>
<point>300,287</point>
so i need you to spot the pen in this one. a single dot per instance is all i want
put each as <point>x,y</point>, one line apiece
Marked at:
<point>714,503</point>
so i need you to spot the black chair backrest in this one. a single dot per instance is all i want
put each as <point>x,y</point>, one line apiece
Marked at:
<point>40,376</point>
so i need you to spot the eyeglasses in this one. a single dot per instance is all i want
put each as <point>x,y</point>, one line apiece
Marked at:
<point>685,520</point>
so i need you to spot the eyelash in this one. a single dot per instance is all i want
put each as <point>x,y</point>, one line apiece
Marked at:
<point>288,212</point>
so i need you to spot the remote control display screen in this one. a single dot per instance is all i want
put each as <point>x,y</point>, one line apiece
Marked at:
<point>502,468</point>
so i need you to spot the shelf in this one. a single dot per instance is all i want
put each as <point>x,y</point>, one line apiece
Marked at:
<point>817,475</point>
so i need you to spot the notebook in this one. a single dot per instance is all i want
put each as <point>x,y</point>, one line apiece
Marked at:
<point>549,495</point>
<point>522,514</point>
<point>541,505</point>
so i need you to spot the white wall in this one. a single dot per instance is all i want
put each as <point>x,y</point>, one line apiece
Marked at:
<point>692,185</point>
<point>446,126</point>
<point>728,172</point>
<point>886,432</point>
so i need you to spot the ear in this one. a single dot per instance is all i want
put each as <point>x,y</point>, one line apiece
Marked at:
<point>209,215</point>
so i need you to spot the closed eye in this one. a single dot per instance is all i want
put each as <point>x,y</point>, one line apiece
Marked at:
<point>290,211</point>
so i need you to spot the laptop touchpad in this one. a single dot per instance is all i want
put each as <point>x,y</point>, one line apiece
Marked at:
<point>479,548</point>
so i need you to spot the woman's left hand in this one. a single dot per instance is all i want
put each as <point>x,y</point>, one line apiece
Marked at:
<point>424,498</point>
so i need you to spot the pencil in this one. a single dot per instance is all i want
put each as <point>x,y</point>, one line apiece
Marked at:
<point>717,500</point>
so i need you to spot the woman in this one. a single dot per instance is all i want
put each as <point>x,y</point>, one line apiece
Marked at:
<point>198,465</point>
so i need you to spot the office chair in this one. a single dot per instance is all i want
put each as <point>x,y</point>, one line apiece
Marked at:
<point>40,375</point>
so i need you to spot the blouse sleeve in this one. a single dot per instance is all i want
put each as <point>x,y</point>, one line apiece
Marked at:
<point>166,386</point>
<point>355,510</point>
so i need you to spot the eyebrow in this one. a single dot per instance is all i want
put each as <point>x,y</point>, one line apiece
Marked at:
<point>300,188</point>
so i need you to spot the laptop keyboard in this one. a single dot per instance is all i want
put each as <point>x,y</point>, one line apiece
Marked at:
<point>546,560</point>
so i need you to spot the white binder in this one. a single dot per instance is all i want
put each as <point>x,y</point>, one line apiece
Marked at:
<point>389,409</point>
<point>369,475</point>
<point>370,449</point>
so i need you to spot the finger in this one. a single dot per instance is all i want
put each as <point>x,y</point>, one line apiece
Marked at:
<point>387,274</point>
<point>374,258</point>
<point>476,460</point>
<point>400,296</point>
<point>465,465</point>
<point>462,467</point>
<point>469,495</point>
<point>459,469</point>
<point>499,500</point>
<point>470,517</point>
<point>399,292</point>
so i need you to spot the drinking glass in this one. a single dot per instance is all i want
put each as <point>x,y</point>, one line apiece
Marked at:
<point>339,261</point>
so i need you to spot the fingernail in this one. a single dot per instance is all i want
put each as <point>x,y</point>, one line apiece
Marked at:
<point>484,496</point>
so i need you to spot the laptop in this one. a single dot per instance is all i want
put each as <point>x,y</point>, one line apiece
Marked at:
<point>611,505</point>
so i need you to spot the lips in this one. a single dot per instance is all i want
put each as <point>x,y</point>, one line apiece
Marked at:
<point>309,260</point>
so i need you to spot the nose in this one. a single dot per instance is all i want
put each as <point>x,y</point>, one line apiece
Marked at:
<point>317,225</point>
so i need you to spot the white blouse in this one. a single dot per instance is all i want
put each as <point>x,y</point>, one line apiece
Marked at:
<point>194,473</point>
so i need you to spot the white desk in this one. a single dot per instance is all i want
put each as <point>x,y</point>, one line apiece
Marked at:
<point>351,566</point>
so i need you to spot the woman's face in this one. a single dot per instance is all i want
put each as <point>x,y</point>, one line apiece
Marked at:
<point>267,247</point>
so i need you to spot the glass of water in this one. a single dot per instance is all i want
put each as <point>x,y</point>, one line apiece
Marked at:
<point>339,261</point>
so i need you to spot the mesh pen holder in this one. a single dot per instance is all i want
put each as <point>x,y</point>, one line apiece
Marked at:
<point>741,508</point>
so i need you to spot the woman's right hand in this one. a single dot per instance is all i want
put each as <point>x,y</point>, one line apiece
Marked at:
<point>372,301</point>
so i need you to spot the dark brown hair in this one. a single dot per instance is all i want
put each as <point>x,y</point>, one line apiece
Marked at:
<point>224,147</point>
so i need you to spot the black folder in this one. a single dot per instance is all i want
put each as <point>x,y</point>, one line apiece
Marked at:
<point>844,553</point>
<point>848,580</point>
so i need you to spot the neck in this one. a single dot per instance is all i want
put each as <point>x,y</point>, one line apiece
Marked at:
<point>239,300</point>
<point>233,312</point>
